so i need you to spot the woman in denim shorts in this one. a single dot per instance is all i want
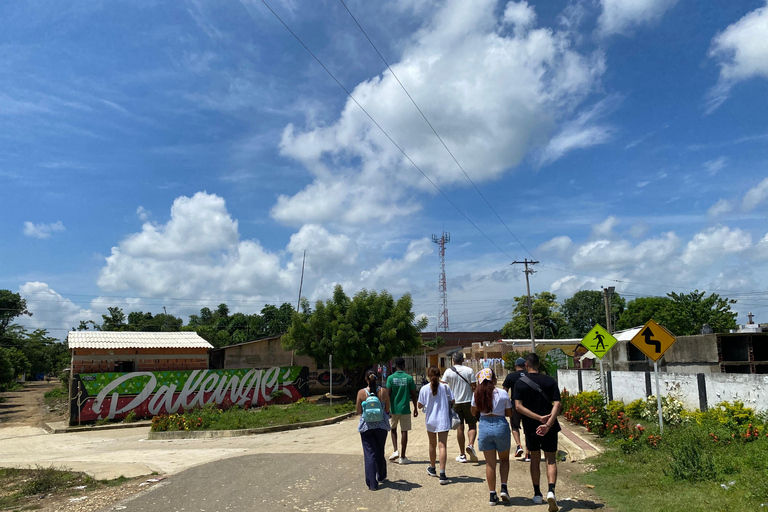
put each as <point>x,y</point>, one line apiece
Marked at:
<point>494,437</point>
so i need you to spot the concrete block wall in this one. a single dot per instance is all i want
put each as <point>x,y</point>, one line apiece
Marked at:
<point>696,391</point>
<point>157,359</point>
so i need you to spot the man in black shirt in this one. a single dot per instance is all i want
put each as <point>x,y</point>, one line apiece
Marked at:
<point>537,398</point>
<point>509,387</point>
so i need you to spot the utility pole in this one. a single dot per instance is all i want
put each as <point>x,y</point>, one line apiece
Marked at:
<point>442,316</point>
<point>529,271</point>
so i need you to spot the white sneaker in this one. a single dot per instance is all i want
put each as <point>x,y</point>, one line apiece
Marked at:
<point>538,499</point>
<point>552,502</point>
<point>395,455</point>
<point>472,453</point>
<point>461,458</point>
<point>403,460</point>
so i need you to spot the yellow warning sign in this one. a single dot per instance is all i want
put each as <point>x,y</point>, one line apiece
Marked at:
<point>653,340</point>
<point>598,341</point>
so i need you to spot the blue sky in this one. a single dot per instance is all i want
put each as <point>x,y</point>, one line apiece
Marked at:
<point>183,154</point>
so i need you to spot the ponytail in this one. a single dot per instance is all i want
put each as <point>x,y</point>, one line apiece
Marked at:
<point>371,379</point>
<point>433,373</point>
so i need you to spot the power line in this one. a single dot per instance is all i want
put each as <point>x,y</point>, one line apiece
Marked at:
<point>432,127</point>
<point>384,131</point>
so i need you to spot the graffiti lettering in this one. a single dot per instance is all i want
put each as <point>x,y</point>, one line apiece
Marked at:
<point>151,393</point>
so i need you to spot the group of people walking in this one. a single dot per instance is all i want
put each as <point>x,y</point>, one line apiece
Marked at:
<point>457,398</point>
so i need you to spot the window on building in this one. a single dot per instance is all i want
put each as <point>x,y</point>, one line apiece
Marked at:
<point>125,366</point>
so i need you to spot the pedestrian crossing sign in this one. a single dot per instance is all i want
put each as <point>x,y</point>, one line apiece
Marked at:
<point>598,341</point>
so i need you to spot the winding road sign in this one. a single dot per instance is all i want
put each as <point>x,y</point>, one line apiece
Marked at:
<point>598,341</point>
<point>653,340</point>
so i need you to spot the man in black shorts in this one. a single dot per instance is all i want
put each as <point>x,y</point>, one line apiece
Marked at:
<point>509,387</point>
<point>537,398</point>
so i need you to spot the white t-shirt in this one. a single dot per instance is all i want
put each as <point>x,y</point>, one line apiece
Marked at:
<point>461,390</point>
<point>437,411</point>
<point>501,403</point>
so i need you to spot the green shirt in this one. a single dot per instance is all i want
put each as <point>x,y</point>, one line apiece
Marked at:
<point>400,385</point>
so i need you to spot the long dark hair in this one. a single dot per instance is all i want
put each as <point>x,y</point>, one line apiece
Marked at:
<point>433,374</point>
<point>372,379</point>
<point>484,394</point>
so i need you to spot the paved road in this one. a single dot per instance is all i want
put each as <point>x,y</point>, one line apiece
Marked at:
<point>320,478</point>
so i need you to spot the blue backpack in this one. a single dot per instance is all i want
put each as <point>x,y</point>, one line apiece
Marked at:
<point>373,411</point>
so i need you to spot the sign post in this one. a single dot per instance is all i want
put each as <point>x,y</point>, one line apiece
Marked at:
<point>653,340</point>
<point>330,377</point>
<point>599,342</point>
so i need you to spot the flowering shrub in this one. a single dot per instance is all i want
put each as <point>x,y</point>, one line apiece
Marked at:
<point>671,409</point>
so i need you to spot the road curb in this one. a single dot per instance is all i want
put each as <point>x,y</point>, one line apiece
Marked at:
<point>210,434</point>
<point>89,428</point>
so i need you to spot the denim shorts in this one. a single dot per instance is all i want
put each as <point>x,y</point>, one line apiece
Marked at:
<point>494,434</point>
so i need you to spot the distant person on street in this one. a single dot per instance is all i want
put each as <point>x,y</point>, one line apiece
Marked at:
<point>494,406</point>
<point>509,387</point>
<point>436,399</point>
<point>373,408</point>
<point>402,391</point>
<point>537,398</point>
<point>462,381</point>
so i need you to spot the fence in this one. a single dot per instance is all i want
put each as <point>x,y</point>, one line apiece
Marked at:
<point>696,390</point>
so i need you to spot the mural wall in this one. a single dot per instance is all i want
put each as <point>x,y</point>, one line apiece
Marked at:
<point>114,395</point>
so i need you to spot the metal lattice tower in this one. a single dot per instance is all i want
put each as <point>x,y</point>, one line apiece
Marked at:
<point>442,316</point>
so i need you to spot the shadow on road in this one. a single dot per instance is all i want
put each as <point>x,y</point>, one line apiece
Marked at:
<point>399,485</point>
<point>565,505</point>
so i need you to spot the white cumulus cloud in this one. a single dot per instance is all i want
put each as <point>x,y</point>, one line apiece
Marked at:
<point>618,16</point>
<point>719,208</point>
<point>42,230</point>
<point>741,51</point>
<point>494,85</point>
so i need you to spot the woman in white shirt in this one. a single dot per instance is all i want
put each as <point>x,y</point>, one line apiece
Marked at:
<point>494,436</point>
<point>436,400</point>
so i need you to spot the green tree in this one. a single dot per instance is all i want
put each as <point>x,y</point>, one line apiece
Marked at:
<point>115,321</point>
<point>7,371</point>
<point>642,309</point>
<point>12,305</point>
<point>359,332</point>
<point>548,321</point>
<point>690,311</point>
<point>587,308</point>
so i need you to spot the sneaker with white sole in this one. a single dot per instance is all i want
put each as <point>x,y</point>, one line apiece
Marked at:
<point>403,460</point>
<point>552,502</point>
<point>527,457</point>
<point>461,458</point>
<point>472,453</point>
<point>395,455</point>
<point>493,500</point>
<point>431,471</point>
<point>443,479</point>
<point>538,499</point>
<point>519,452</point>
<point>504,495</point>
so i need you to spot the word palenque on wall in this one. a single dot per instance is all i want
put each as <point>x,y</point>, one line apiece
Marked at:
<point>114,395</point>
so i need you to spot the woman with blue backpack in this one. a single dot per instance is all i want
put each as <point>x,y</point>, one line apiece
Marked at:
<point>373,408</point>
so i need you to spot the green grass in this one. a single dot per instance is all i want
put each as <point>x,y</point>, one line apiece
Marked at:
<point>211,418</point>
<point>20,487</point>
<point>56,395</point>
<point>685,472</point>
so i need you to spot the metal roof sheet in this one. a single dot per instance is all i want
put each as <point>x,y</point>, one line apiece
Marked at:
<point>117,339</point>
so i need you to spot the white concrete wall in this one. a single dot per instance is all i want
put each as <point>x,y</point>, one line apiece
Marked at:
<point>684,386</point>
<point>750,389</point>
<point>568,380</point>
<point>628,386</point>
